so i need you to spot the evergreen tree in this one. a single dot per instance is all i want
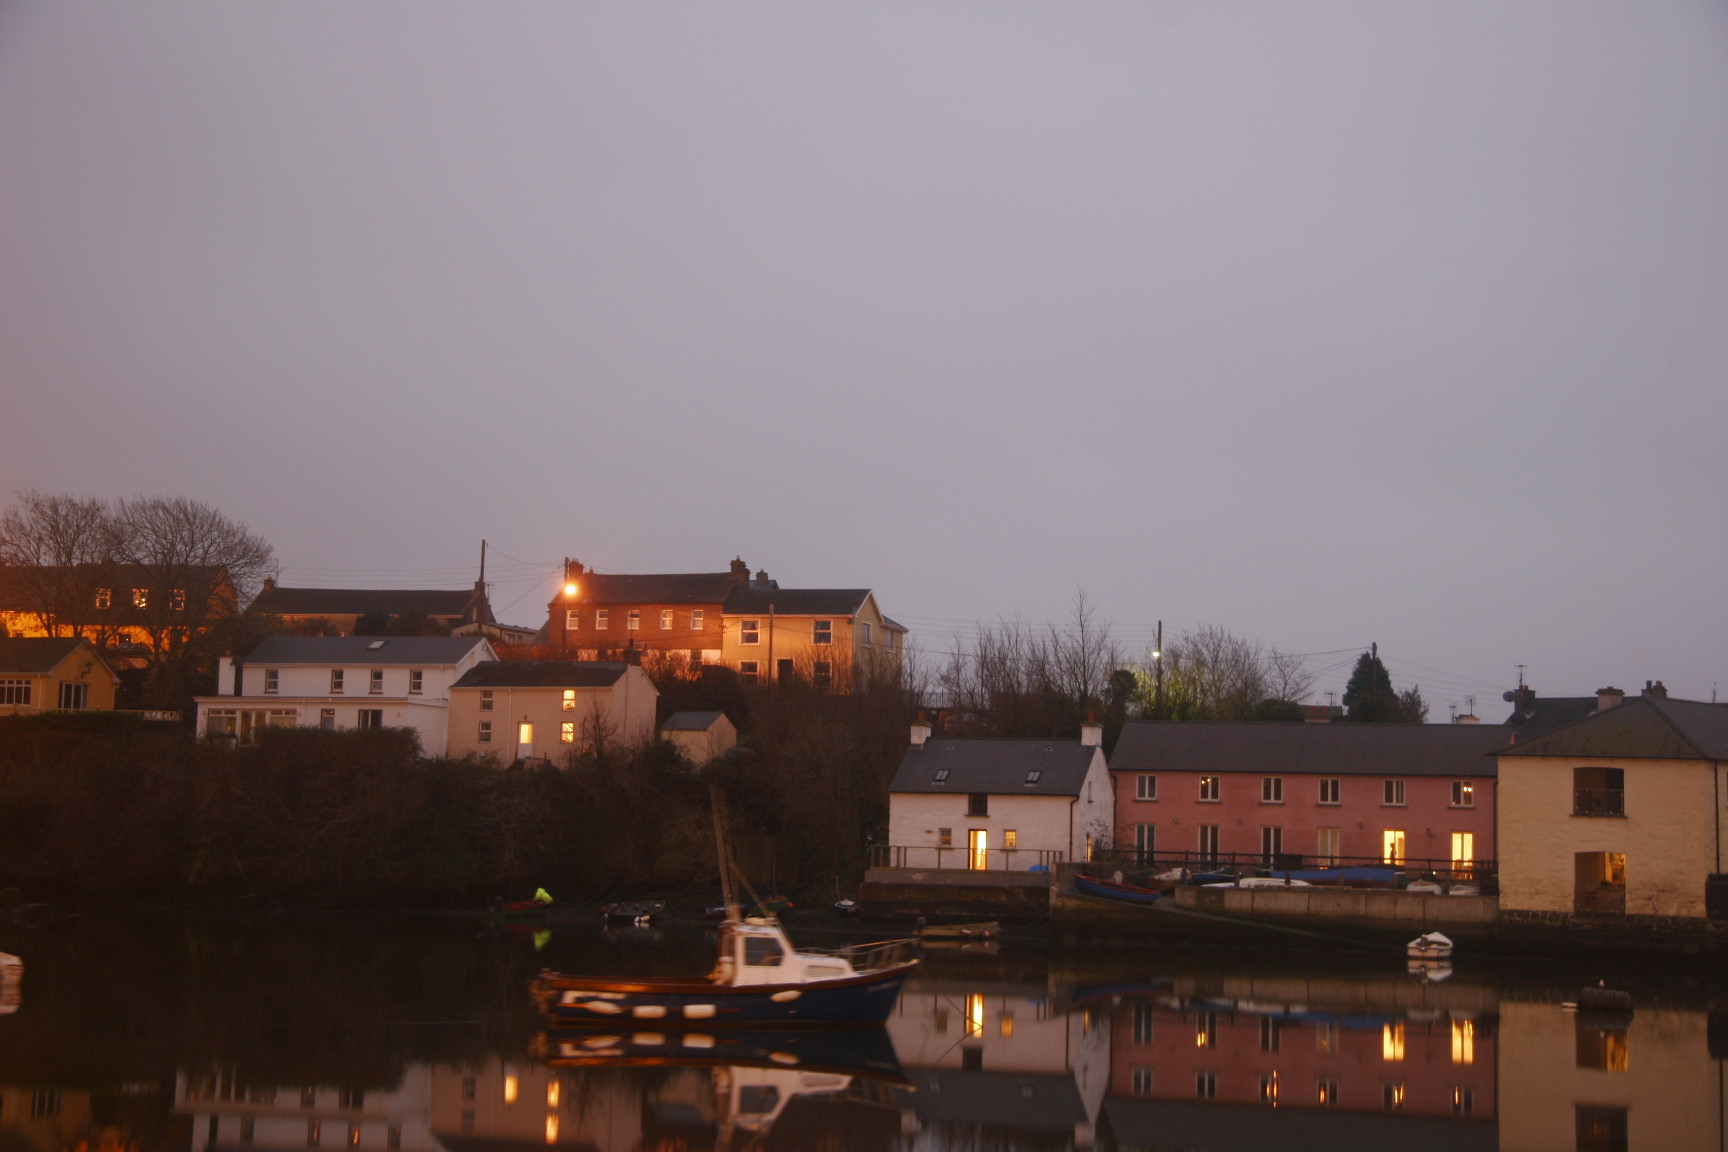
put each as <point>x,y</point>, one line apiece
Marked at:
<point>1369,696</point>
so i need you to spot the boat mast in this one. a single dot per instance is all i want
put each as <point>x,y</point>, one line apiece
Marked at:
<point>717,804</point>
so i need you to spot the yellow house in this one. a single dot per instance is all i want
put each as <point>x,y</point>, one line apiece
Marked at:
<point>509,710</point>
<point>1620,813</point>
<point>48,674</point>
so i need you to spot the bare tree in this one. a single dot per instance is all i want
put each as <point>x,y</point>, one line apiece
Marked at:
<point>1213,674</point>
<point>53,548</point>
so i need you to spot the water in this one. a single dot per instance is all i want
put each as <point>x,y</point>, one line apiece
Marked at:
<point>413,1033</point>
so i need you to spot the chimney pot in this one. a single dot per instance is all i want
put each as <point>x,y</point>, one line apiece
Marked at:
<point>1606,698</point>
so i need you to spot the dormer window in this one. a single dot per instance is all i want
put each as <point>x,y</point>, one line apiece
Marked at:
<point>941,776</point>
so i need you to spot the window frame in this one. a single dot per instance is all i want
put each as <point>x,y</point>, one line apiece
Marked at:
<point>375,682</point>
<point>1271,789</point>
<point>750,631</point>
<point>416,681</point>
<point>338,681</point>
<point>1146,787</point>
<point>1333,785</point>
<point>633,620</point>
<point>1463,794</point>
<point>1393,793</point>
<point>272,681</point>
<point>1211,790</point>
<point>821,631</point>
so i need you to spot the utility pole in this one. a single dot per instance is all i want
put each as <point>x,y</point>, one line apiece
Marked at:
<point>1158,673</point>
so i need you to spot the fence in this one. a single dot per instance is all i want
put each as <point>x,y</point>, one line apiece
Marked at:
<point>991,860</point>
<point>1249,863</point>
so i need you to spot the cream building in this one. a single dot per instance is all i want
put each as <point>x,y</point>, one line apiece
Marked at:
<point>1620,813</point>
<point>44,674</point>
<point>545,709</point>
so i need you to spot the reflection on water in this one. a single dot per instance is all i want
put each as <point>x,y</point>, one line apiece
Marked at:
<point>321,1034</point>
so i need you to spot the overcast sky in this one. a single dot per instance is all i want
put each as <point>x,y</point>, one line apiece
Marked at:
<point>1330,323</point>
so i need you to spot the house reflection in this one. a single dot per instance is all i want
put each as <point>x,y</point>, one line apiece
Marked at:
<point>1270,1063</point>
<point>993,1059</point>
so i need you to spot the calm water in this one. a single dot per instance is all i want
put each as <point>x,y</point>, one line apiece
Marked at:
<point>336,1033</point>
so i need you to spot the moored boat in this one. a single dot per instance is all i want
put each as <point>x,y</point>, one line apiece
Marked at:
<point>977,930</point>
<point>633,911</point>
<point>1429,946</point>
<point>1114,889</point>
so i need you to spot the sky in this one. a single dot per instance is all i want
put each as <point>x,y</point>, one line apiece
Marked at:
<point>1329,323</point>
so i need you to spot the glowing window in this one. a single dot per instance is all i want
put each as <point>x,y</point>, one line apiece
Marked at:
<point>569,699</point>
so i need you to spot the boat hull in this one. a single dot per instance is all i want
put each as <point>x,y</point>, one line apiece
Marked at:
<point>866,998</point>
<point>1092,886</point>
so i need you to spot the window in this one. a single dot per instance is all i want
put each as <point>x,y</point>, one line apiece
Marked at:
<point>864,633</point>
<point>1205,1085</point>
<point>525,733</point>
<point>572,619</point>
<point>311,1133</point>
<point>602,620</point>
<point>784,670</point>
<point>822,632</point>
<point>1269,1088</point>
<point>887,640</point>
<point>1326,844</point>
<point>1145,840</point>
<point>1206,1030</point>
<point>376,687</point>
<point>1326,1092</point>
<point>327,718</point>
<point>353,1135</point>
<point>1463,1100</point>
<point>749,632</point>
<point>272,681</point>
<point>665,619</point>
<point>371,718</point>
<point>822,674</point>
<point>567,732</point>
<point>1208,841</point>
<point>1033,777</point>
<point>1392,1042</point>
<point>696,620</point>
<point>1010,838</point>
<point>944,837</point>
<point>1393,793</point>
<point>14,692</point>
<point>748,671</point>
<point>177,600</point>
<point>1600,1128</point>
<point>393,1136</point>
<point>336,681</point>
<point>1463,1040</point>
<point>104,598</point>
<point>1209,789</point>
<point>1142,1081</point>
<point>1271,845</point>
<point>485,735</point>
<point>1146,786</point>
<point>1463,794</point>
<point>1271,1034</point>
<point>1392,846</point>
<point>73,696</point>
<point>1326,1038</point>
<point>1598,792</point>
<point>941,776</point>
<point>140,598</point>
<point>351,1098</point>
<point>977,803</point>
<point>1329,791</point>
<point>44,1102</point>
<point>1463,852</point>
<point>1272,790</point>
<point>486,700</point>
<point>633,621</point>
<point>569,702</point>
<point>416,681</point>
<point>763,952</point>
<point>1392,1096</point>
<point>247,1130</point>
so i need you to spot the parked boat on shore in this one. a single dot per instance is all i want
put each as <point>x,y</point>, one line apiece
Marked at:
<point>1115,890</point>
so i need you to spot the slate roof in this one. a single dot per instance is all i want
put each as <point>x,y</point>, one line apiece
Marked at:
<point>796,601</point>
<point>358,650</point>
<point>1539,715</point>
<point>666,588</point>
<point>543,674</point>
<point>1164,1123</point>
<point>1339,749</point>
<point>998,766</point>
<point>16,583</point>
<point>1048,1103</point>
<point>1644,727</point>
<point>34,655</point>
<point>691,721</point>
<point>279,601</point>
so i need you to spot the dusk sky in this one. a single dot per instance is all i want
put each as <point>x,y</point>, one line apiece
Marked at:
<point>1330,323</point>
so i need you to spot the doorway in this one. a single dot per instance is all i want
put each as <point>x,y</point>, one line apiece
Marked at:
<point>1599,882</point>
<point>977,849</point>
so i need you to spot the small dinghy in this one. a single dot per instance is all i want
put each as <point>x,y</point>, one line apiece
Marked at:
<point>632,911</point>
<point>1429,946</point>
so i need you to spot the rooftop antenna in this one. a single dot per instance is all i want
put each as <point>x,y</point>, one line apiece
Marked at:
<point>1520,675</point>
<point>1470,704</point>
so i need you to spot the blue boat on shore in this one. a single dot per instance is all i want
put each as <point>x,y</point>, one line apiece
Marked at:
<point>1113,890</point>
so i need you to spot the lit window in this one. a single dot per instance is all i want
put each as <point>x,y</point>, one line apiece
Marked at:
<point>1146,786</point>
<point>1272,790</point>
<point>665,619</point>
<point>1326,1093</point>
<point>311,1133</point>
<point>336,681</point>
<point>177,600</point>
<point>416,681</point>
<point>1394,793</point>
<point>1392,1096</point>
<point>1463,794</point>
<point>272,680</point>
<point>377,683</point>
<point>749,632</point>
<point>569,699</point>
<point>525,733</point>
<point>567,732</point>
<point>1010,838</point>
<point>1269,1088</point>
<point>1206,1030</point>
<point>1209,788</point>
<point>1392,1042</point>
<point>633,621</point>
<point>572,618</point>
<point>140,598</point>
<point>1463,1100</point>
<point>696,620</point>
<point>104,597</point>
<point>602,619</point>
<point>1392,846</point>
<point>822,632</point>
<point>512,1087</point>
<point>1463,1041</point>
<point>1329,791</point>
<point>944,837</point>
<point>485,732</point>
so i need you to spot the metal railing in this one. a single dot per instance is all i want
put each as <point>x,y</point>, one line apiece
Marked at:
<point>1598,802</point>
<point>993,860</point>
<point>1258,864</point>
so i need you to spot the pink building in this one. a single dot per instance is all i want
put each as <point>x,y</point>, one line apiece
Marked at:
<point>1307,794</point>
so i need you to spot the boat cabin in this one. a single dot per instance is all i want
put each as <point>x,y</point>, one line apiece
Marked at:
<point>754,950</point>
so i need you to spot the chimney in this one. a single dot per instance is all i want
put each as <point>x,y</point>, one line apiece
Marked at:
<point>633,654</point>
<point>269,583</point>
<point>920,731</point>
<point>762,580</point>
<point>1521,699</point>
<point>1606,698</point>
<point>1657,690</point>
<point>740,572</point>
<point>1091,734</point>
<point>1466,718</point>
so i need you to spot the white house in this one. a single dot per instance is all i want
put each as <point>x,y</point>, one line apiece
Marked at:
<point>998,804</point>
<point>342,682</point>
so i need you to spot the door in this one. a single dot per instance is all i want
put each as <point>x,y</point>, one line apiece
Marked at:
<point>1392,841</point>
<point>1463,852</point>
<point>1599,882</point>
<point>73,695</point>
<point>525,740</point>
<point>977,849</point>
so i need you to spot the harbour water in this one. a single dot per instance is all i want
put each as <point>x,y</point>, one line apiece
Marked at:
<point>398,1033</point>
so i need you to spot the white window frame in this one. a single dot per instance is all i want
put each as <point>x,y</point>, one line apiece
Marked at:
<point>1271,789</point>
<point>16,692</point>
<point>375,682</point>
<point>602,620</point>
<point>337,678</point>
<point>272,681</point>
<point>750,631</point>
<point>665,619</point>
<point>1331,789</point>
<point>1392,794</point>
<point>1146,787</point>
<point>1463,794</point>
<point>416,681</point>
<point>696,620</point>
<point>1211,790</point>
<point>486,700</point>
<point>484,736</point>
<point>567,732</point>
<point>633,620</point>
<point>572,619</point>
<point>568,702</point>
<point>821,631</point>
<point>749,671</point>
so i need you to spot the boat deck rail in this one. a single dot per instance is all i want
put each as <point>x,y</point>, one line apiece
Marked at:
<point>869,957</point>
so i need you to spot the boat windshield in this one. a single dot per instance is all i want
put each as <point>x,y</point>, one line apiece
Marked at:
<point>763,951</point>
